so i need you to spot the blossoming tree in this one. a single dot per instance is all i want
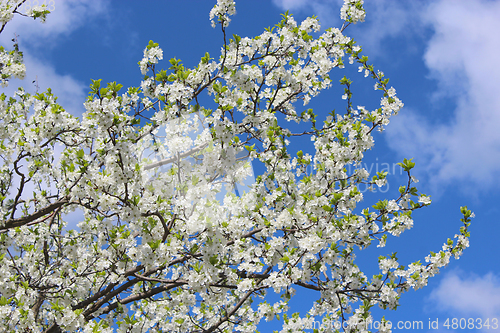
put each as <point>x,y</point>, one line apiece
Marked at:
<point>157,251</point>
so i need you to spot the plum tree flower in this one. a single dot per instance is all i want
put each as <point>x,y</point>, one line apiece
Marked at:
<point>222,10</point>
<point>424,199</point>
<point>352,11</point>
<point>158,249</point>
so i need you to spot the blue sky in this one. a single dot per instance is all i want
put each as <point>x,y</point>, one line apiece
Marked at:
<point>441,56</point>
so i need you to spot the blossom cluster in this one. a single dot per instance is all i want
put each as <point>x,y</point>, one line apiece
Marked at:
<point>353,11</point>
<point>158,249</point>
<point>222,10</point>
<point>11,65</point>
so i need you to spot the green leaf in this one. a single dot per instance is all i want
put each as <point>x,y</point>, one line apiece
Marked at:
<point>94,87</point>
<point>103,91</point>
<point>327,208</point>
<point>381,204</point>
<point>114,88</point>
<point>206,58</point>
<point>407,165</point>
<point>176,63</point>
<point>3,301</point>
<point>80,154</point>
<point>154,244</point>
<point>237,39</point>
<point>466,212</point>
<point>250,148</point>
<point>152,45</point>
<point>345,81</point>
<point>214,260</point>
<point>316,267</point>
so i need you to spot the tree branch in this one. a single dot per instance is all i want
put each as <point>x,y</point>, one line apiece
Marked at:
<point>13,223</point>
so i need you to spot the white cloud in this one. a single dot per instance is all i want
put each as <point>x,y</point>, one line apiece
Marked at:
<point>34,36</point>
<point>385,19</point>
<point>472,297</point>
<point>66,17</point>
<point>291,4</point>
<point>70,92</point>
<point>40,76</point>
<point>461,56</point>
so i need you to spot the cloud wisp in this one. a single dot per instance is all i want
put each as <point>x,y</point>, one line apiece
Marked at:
<point>471,297</point>
<point>34,36</point>
<point>460,56</point>
<point>66,17</point>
